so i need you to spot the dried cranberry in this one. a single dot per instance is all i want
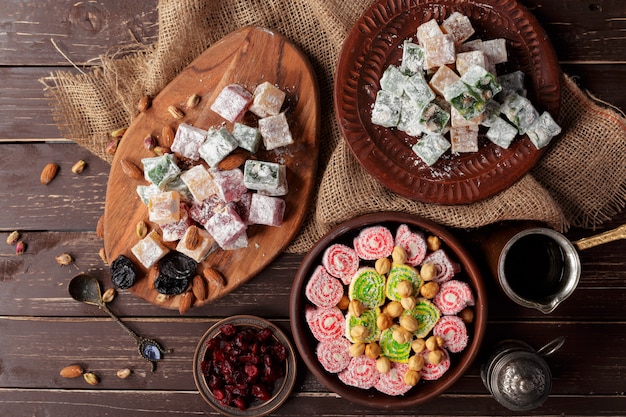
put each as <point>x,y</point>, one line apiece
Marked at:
<point>228,330</point>
<point>260,392</point>
<point>240,403</point>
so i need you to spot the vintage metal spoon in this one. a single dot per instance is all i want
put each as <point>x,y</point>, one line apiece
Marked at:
<point>86,288</point>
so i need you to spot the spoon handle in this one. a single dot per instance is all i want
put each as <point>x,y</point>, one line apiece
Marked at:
<point>608,236</point>
<point>121,323</point>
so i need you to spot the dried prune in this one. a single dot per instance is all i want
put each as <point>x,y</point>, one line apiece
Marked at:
<point>175,272</point>
<point>123,274</point>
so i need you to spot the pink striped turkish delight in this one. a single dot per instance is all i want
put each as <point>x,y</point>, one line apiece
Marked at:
<point>266,210</point>
<point>232,102</point>
<point>202,211</point>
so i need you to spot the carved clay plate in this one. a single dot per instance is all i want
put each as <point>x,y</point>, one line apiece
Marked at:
<point>375,42</point>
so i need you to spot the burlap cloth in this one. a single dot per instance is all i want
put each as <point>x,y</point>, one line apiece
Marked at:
<point>581,180</point>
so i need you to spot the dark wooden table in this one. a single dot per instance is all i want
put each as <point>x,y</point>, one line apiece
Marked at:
<point>42,329</point>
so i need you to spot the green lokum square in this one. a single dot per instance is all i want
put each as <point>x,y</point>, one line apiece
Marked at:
<point>430,148</point>
<point>177,184</point>
<point>412,58</point>
<point>145,191</point>
<point>386,111</point>
<point>491,113</point>
<point>463,98</point>
<point>262,175</point>
<point>501,132</point>
<point>520,111</point>
<point>482,82</point>
<point>218,145</point>
<point>410,117</point>
<point>246,136</point>
<point>512,83</point>
<point>393,80</point>
<point>434,119</point>
<point>160,170</point>
<point>543,130</point>
<point>418,90</point>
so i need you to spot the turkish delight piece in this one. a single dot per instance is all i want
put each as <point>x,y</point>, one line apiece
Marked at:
<point>463,98</point>
<point>177,184</point>
<point>495,50</point>
<point>202,211</point>
<point>266,210</point>
<point>218,145</point>
<point>473,45</point>
<point>442,78</point>
<point>206,245</point>
<point>412,58</point>
<point>225,226</point>
<point>501,132</point>
<point>229,184</point>
<point>433,119</point>
<point>459,26</point>
<point>418,90</point>
<point>164,207</point>
<point>275,131</point>
<point>491,113</point>
<point>456,120</point>
<point>247,137</point>
<point>464,138</point>
<point>145,191</point>
<point>428,30</point>
<point>520,111</point>
<point>200,182</point>
<point>159,170</point>
<point>410,117</point>
<point>543,130</point>
<point>232,102</point>
<point>188,140</point>
<point>267,100</point>
<point>242,207</point>
<point>386,110</point>
<point>430,148</point>
<point>439,51</point>
<point>465,60</point>
<point>446,268</point>
<point>263,176</point>
<point>512,83</point>
<point>482,82</point>
<point>149,249</point>
<point>393,80</point>
<point>239,243</point>
<point>175,230</point>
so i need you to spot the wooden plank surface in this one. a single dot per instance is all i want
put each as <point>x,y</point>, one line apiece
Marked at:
<point>42,329</point>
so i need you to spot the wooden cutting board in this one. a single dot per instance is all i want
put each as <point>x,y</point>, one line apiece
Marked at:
<point>248,56</point>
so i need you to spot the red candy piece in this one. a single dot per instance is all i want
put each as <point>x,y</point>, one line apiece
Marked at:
<point>392,382</point>
<point>201,212</point>
<point>341,261</point>
<point>232,102</point>
<point>453,331</point>
<point>360,373</point>
<point>322,289</point>
<point>325,323</point>
<point>413,243</point>
<point>430,371</point>
<point>229,183</point>
<point>446,269</point>
<point>453,296</point>
<point>225,226</point>
<point>176,230</point>
<point>374,243</point>
<point>334,354</point>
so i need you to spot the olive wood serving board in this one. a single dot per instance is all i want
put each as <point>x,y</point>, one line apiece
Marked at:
<point>248,56</point>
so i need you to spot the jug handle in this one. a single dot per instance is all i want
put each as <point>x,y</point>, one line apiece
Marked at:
<point>552,346</point>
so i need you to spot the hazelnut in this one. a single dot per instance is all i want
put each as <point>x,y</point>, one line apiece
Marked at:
<point>434,342</point>
<point>372,350</point>
<point>409,323</point>
<point>433,243</point>
<point>435,357</point>
<point>401,335</point>
<point>359,332</point>
<point>382,266</point>
<point>357,349</point>
<point>416,362</point>
<point>411,377</point>
<point>383,365</point>
<point>356,308</point>
<point>408,303</point>
<point>398,255</point>
<point>418,345</point>
<point>394,309</point>
<point>383,321</point>
<point>404,288</point>
<point>428,271</point>
<point>467,315</point>
<point>343,303</point>
<point>429,290</point>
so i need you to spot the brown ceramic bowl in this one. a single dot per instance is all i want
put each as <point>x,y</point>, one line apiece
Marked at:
<point>425,390</point>
<point>375,42</point>
<point>283,386</point>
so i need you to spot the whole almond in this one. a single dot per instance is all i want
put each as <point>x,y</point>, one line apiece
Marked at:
<point>232,161</point>
<point>167,136</point>
<point>199,288</point>
<point>144,103</point>
<point>192,240</point>
<point>48,173</point>
<point>186,301</point>
<point>130,169</point>
<point>214,277</point>
<point>100,227</point>
<point>72,371</point>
